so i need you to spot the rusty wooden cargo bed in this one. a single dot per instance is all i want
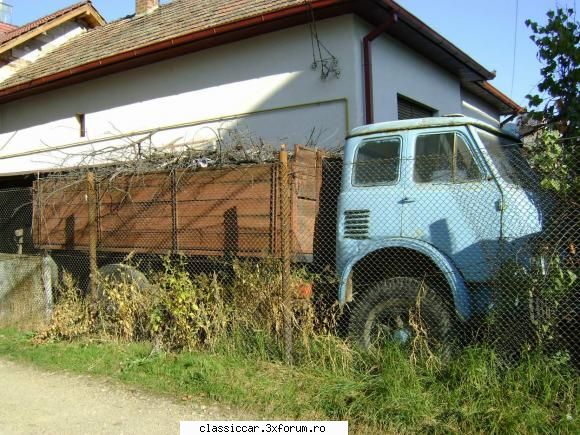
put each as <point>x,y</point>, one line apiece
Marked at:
<point>207,212</point>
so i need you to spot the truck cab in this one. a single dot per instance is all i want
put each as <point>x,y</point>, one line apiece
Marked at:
<point>430,209</point>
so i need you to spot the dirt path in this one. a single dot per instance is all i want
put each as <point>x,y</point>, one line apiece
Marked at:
<point>34,402</point>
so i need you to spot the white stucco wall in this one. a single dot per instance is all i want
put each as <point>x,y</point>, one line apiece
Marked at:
<point>475,107</point>
<point>399,70</point>
<point>263,88</point>
<point>264,85</point>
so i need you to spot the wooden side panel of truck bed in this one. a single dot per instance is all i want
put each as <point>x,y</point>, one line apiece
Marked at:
<point>212,212</point>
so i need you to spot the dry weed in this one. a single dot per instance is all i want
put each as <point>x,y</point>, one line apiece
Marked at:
<point>71,317</point>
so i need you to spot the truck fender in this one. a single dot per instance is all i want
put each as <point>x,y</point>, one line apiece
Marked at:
<point>456,282</point>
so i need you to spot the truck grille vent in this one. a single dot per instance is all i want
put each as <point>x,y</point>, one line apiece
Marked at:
<point>356,224</point>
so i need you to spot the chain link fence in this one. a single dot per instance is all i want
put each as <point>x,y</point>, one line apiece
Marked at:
<point>27,280</point>
<point>438,246</point>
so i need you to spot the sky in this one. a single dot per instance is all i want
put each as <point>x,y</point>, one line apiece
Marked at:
<point>486,30</point>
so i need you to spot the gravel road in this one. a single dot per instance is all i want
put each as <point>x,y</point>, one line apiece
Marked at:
<point>34,401</point>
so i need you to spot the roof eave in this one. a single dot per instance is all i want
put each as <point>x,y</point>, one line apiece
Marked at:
<point>183,44</point>
<point>94,17</point>
<point>405,17</point>
<point>515,108</point>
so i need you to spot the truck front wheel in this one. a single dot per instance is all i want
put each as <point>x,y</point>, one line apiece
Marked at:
<point>396,310</point>
<point>117,274</point>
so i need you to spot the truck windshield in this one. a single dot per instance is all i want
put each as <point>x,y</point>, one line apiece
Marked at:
<point>508,159</point>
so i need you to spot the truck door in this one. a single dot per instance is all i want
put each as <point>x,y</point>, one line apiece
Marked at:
<point>375,179</point>
<point>369,203</point>
<point>451,201</point>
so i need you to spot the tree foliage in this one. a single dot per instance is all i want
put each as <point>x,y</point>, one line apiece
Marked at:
<point>554,112</point>
<point>558,103</point>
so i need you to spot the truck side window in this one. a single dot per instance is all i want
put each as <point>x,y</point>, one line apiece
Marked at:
<point>377,161</point>
<point>443,158</point>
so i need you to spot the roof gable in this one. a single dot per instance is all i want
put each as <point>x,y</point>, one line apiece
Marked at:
<point>22,34</point>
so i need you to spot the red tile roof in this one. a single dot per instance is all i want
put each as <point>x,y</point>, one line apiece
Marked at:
<point>5,28</point>
<point>169,21</point>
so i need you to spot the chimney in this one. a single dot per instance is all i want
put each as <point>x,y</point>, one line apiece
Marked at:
<point>6,25</point>
<point>143,7</point>
<point>5,13</point>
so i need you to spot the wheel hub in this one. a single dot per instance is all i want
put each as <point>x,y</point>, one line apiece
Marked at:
<point>401,336</point>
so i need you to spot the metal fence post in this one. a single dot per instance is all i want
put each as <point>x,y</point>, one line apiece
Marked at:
<point>92,227</point>
<point>285,247</point>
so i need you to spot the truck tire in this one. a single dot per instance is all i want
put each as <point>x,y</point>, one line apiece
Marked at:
<point>382,314</point>
<point>121,273</point>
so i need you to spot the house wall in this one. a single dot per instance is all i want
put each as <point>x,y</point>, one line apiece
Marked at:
<point>261,88</point>
<point>475,107</point>
<point>399,70</point>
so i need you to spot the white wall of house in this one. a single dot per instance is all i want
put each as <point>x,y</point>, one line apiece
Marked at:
<point>263,87</point>
<point>399,70</point>
<point>472,105</point>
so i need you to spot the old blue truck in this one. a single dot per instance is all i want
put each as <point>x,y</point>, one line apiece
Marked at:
<point>427,212</point>
<point>430,208</point>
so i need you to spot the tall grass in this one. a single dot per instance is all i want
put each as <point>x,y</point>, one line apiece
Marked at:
<point>383,392</point>
<point>222,337</point>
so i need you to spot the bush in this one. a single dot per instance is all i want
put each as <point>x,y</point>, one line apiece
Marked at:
<point>71,317</point>
<point>188,313</point>
<point>123,310</point>
<point>243,310</point>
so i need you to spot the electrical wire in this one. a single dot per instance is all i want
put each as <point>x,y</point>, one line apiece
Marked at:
<point>328,64</point>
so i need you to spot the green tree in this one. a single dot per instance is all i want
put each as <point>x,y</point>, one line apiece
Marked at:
<point>553,151</point>
<point>558,104</point>
<point>554,112</point>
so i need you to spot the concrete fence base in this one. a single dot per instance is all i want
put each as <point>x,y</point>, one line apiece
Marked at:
<point>26,289</point>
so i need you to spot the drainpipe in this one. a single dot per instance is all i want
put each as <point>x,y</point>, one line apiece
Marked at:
<point>368,66</point>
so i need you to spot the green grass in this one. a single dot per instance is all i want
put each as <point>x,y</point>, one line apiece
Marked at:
<point>474,393</point>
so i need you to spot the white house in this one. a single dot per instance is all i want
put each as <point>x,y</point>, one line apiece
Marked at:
<point>198,72</point>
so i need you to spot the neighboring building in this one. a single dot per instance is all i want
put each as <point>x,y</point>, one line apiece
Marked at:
<point>23,46</point>
<point>194,73</point>
<point>6,19</point>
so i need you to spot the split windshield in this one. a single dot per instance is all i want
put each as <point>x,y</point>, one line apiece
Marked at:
<point>507,158</point>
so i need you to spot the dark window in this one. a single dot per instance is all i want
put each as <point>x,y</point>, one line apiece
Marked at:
<point>82,124</point>
<point>444,158</point>
<point>409,109</point>
<point>377,161</point>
